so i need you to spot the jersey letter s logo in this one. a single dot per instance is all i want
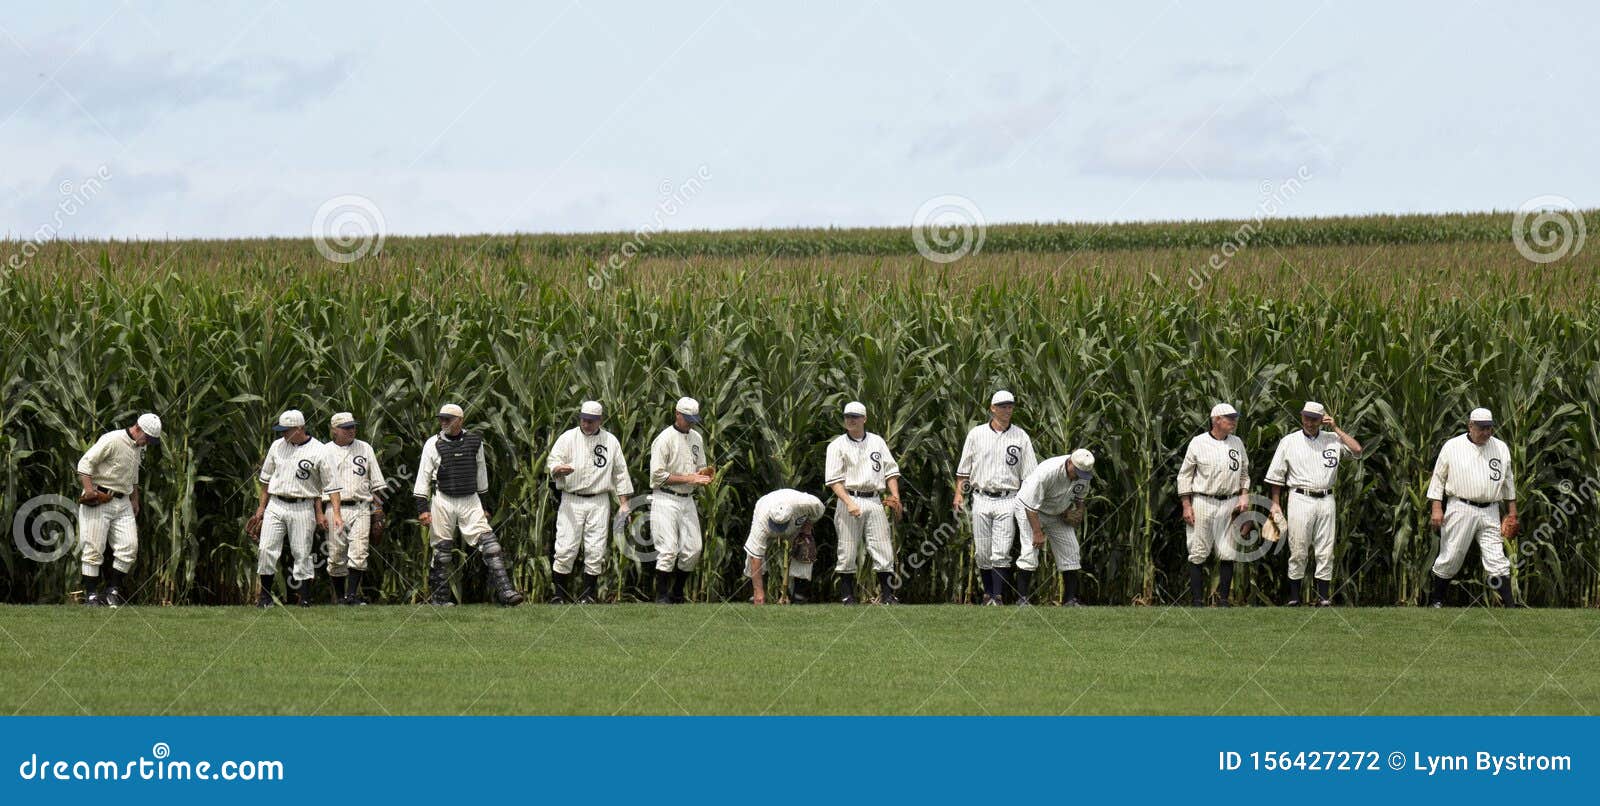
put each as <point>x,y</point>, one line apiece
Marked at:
<point>1013,455</point>
<point>599,456</point>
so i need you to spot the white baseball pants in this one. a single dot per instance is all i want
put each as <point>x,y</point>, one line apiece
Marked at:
<point>675,530</point>
<point>994,529</point>
<point>1210,532</point>
<point>1063,540</point>
<point>458,515</point>
<point>296,521</point>
<point>1465,524</point>
<point>349,549</point>
<point>582,521</point>
<point>872,525</point>
<point>110,523</point>
<point>1311,528</point>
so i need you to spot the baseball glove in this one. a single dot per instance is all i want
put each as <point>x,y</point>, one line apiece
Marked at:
<point>1272,531</point>
<point>1074,514</point>
<point>803,549</point>
<point>375,526</point>
<point>894,505</point>
<point>1509,527</point>
<point>252,528</point>
<point>94,498</point>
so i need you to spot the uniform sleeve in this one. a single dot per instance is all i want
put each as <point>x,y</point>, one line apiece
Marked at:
<point>1031,496</point>
<point>964,464</point>
<point>375,481</point>
<point>658,463</point>
<point>1030,462</point>
<point>560,453</point>
<point>270,465</point>
<point>92,457</point>
<point>1187,471</point>
<point>833,466</point>
<point>1244,468</point>
<point>813,509</point>
<point>1508,490</point>
<point>619,470</point>
<point>1441,475</point>
<point>1278,470</point>
<point>891,468</point>
<point>426,467</point>
<point>328,467</point>
<point>483,470</point>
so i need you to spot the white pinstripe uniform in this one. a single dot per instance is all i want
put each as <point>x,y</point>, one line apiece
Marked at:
<point>674,517</point>
<point>1214,472</point>
<point>598,470</point>
<point>1309,467</point>
<point>865,466</point>
<point>1472,480</point>
<point>295,475</point>
<point>356,472</point>
<point>112,463</point>
<point>451,514</point>
<point>1048,492</point>
<point>993,465</point>
<point>780,515</point>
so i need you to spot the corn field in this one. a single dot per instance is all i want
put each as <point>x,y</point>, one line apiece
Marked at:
<point>1399,325</point>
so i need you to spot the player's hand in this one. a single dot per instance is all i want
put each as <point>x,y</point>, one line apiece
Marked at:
<point>1188,514</point>
<point>563,470</point>
<point>1277,510</point>
<point>1240,507</point>
<point>338,522</point>
<point>1436,519</point>
<point>426,519</point>
<point>853,508</point>
<point>708,470</point>
<point>892,503</point>
<point>701,479</point>
<point>956,507</point>
<point>1038,539</point>
<point>1327,421</point>
<point>322,521</point>
<point>1509,527</point>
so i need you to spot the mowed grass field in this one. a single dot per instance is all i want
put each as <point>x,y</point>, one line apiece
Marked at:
<point>738,659</point>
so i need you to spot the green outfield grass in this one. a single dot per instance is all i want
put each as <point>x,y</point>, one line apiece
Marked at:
<point>738,659</point>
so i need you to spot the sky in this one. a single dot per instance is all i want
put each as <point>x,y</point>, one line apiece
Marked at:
<point>168,120</point>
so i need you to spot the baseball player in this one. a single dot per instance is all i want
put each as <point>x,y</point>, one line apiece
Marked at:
<point>1471,481</point>
<point>1307,462</point>
<point>783,515</point>
<point>355,467</point>
<point>995,459</point>
<point>859,466</point>
<point>1051,505</point>
<point>452,481</point>
<point>588,465</point>
<point>679,470</point>
<point>1214,486</point>
<point>295,477</point>
<point>109,473</point>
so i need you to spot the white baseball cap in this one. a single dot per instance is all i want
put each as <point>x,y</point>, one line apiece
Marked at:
<point>1314,409</point>
<point>1224,410</point>
<point>689,408</point>
<point>290,419</point>
<point>591,409</point>
<point>778,518</point>
<point>151,426</point>
<point>1083,462</point>
<point>1481,416</point>
<point>855,408</point>
<point>1001,396</point>
<point>342,420</point>
<point>451,410</point>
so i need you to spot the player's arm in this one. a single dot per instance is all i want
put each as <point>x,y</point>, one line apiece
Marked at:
<point>87,465</point>
<point>422,488</point>
<point>963,472</point>
<point>1441,475</point>
<point>757,585</point>
<point>1186,473</point>
<point>850,504</point>
<point>1349,442</point>
<point>1244,483</point>
<point>1277,475</point>
<point>560,462</point>
<point>1034,525</point>
<point>620,481</point>
<point>833,477</point>
<point>133,498</point>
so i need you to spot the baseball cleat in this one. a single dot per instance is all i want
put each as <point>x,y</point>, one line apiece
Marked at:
<point>94,600</point>
<point>887,598</point>
<point>1022,601</point>
<point>990,601</point>
<point>1437,604</point>
<point>1324,603</point>
<point>848,600</point>
<point>587,598</point>
<point>1071,603</point>
<point>264,600</point>
<point>1292,603</point>
<point>114,597</point>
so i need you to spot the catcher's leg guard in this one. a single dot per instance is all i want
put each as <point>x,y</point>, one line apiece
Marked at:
<point>1225,584</point>
<point>1024,585</point>
<point>439,573</point>
<point>664,587</point>
<point>1197,584</point>
<point>847,588</point>
<point>886,588</point>
<point>591,589</point>
<point>559,584</point>
<point>494,562</point>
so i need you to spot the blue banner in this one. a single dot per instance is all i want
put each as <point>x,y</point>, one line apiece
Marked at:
<point>727,759</point>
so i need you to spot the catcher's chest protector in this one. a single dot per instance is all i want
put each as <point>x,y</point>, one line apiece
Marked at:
<point>458,464</point>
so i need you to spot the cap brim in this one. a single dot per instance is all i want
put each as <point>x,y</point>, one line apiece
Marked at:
<point>693,418</point>
<point>281,428</point>
<point>1489,423</point>
<point>351,424</point>
<point>588,416</point>
<point>152,440</point>
<point>1312,414</point>
<point>1084,475</point>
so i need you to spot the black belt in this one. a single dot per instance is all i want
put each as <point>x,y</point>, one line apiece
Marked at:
<point>564,493</point>
<point>1313,493</point>
<point>674,492</point>
<point>996,493</point>
<point>112,494</point>
<point>862,493</point>
<point>1218,497</point>
<point>289,499</point>
<point>1478,504</point>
